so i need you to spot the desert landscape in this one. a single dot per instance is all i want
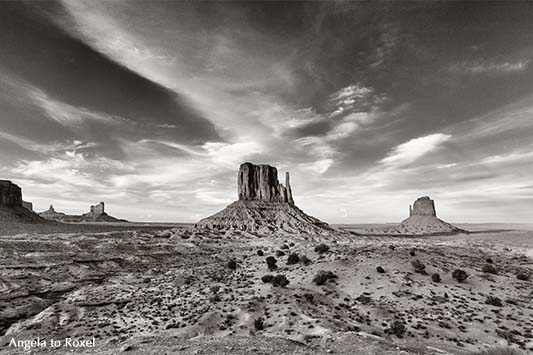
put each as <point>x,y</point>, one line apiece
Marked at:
<point>266,177</point>
<point>262,276</point>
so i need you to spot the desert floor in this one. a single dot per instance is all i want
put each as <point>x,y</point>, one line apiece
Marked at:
<point>144,290</point>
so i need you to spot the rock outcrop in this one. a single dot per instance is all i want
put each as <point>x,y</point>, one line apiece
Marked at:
<point>260,183</point>
<point>423,220</point>
<point>423,206</point>
<point>264,207</point>
<point>96,214</point>
<point>12,208</point>
<point>10,194</point>
<point>28,205</point>
<point>52,214</point>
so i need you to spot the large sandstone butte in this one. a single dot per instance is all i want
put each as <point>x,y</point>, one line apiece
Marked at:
<point>12,207</point>
<point>423,219</point>
<point>264,206</point>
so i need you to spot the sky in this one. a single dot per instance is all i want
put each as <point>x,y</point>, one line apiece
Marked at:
<point>152,106</point>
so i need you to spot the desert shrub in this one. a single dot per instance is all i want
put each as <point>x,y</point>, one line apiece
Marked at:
<point>489,269</point>
<point>522,275</point>
<point>321,248</point>
<point>380,270</point>
<point>494,301</point>
<point>259,324</point>
<point>280,281</point>
<point>305,260</point>
<point>412,253</point>
<point>459,275</point>
<point>260,252</point>
<point>280,253</point>
<point>284,247</point>
<point>293,259</point>
<point>435,277</point>
<point>419,266</point>
<point>489,261</point>
<point>397,328</point>
<point>271,263</point>
<point>323,276</point>
<point>232,264</point>
<point>291,244</point>
<point>267,278</point>
<point>309,297</point>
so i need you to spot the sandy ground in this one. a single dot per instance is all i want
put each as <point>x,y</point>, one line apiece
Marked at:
<point>175,291</point>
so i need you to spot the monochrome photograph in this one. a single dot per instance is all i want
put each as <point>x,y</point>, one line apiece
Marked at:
<point>266,177</point>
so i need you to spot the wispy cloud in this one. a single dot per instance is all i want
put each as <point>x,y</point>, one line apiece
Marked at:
<point>410,151</point>
<point>487,67</point>
<point>47,148</point>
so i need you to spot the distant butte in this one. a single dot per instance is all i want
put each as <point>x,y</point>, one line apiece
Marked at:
<point>423,219</point>
<point>264,206</point>
<point>96,214</point>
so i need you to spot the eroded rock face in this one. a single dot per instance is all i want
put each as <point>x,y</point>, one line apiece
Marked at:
<point>97,210</point>
<point>423,206</point>
<point>10,194</point>
<point>260,183</point>
<point>27,205</point>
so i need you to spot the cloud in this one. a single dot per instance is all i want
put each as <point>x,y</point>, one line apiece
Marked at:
<point>351,92</point>
<point>46,148</point>
<point>65,114</point>
<point>412,150</point>
<point>317,167</point>
<point>485,67</point>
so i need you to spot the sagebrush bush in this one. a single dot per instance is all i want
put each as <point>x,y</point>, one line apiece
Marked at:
<point>321,248</point>
<point>293,259</point>
<point>280,281</point>
<point>305,260</point>
<point>435,277</point>
<point>522,275</point>
<point>271,263</point>
<point>489,269</point>
<point>323,276</point>
<point>259,324</point>
<point>380,270</point>
<point>267,278</point>
<point>419,266</point>
<point>494,301</point>
<point>232,264</point>
<point>260,252</point>
<point>459,275</point>
<point>397,328</point>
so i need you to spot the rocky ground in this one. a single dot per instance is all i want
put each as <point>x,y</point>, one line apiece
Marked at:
<point>195,292</point>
